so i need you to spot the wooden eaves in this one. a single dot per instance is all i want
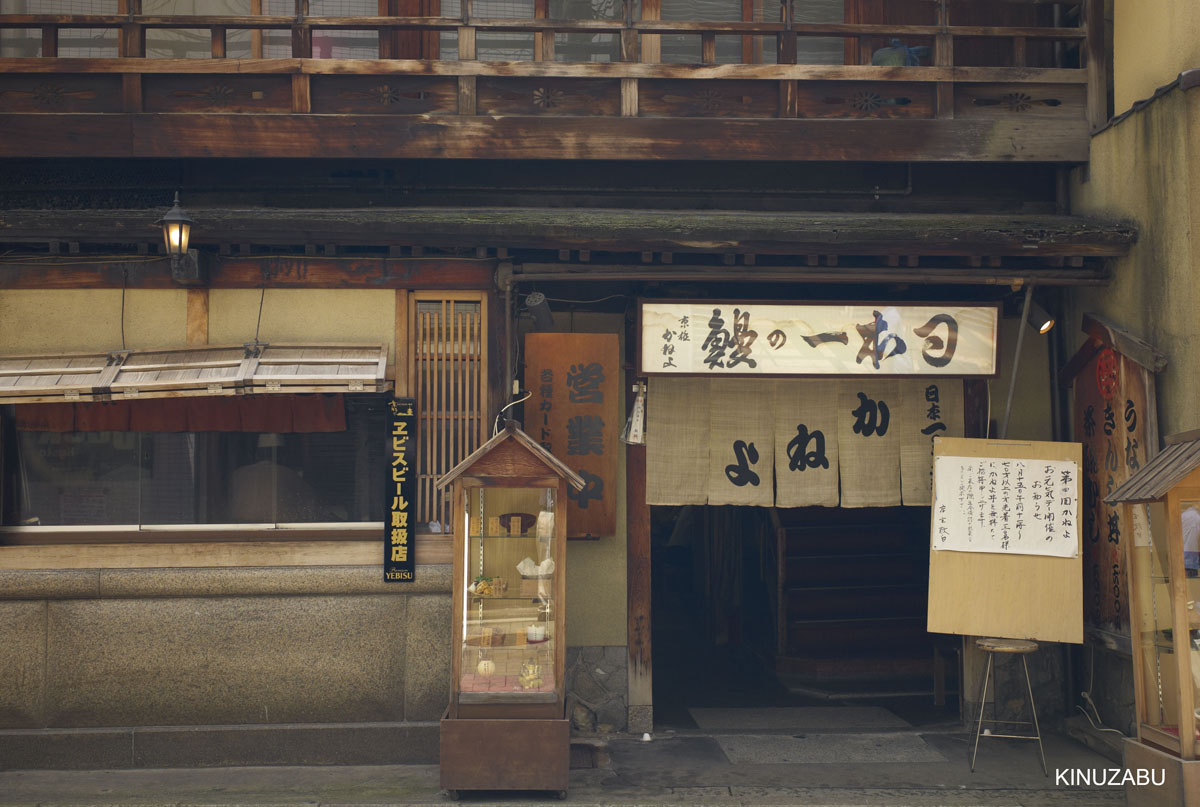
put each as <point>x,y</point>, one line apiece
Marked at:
<point>786,233</point>
<point>193,371</point>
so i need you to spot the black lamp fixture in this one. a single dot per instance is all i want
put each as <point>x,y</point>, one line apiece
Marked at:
<point>539,309</point>
<point>176,227</point>
<point>1039,318</point>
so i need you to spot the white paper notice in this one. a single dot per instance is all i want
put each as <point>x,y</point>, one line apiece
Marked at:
<point>1007,506</point>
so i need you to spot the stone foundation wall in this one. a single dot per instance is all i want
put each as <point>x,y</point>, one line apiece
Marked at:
<point>111,668</point>
<point>597,679</point>
<point>1008,688</point>
<point>250,665</point>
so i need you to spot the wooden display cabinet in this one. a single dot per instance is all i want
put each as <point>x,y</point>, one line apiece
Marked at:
<point>506,727</point>
<point>1162,501</point>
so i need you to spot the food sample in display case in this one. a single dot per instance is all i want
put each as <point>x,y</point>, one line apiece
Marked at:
<point>509,604</point>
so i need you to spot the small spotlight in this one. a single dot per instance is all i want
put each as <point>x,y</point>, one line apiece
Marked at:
<point>539,309</point>
<point>1040,318</point>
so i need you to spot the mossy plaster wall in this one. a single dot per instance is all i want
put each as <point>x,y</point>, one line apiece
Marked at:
<point>1146,168</point>
<point>52,321</point>
<point>1153,42</point>
<point>1030,418</point>
<point>295,315</point>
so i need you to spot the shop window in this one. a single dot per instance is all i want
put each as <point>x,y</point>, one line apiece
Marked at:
<point>449,381</point>
<point>328,469</point>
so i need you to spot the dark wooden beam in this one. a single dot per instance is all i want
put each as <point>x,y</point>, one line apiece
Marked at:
<point>602,229</point>
<point>252,273</point>
<point>806,274</point>
<point>518,137</point>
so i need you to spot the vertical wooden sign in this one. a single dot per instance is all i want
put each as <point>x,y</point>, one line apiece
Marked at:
<point>400,492</point>
<point>574,413</point>
<point>1116,422</point>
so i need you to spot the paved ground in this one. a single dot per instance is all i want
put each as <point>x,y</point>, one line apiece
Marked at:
<point>683,769</point>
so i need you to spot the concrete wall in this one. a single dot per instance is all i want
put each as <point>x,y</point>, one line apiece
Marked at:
<point>1153,42</point>
<point>1146,169</point>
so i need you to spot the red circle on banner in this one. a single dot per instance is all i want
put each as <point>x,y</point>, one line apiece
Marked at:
<point>1106,373</point>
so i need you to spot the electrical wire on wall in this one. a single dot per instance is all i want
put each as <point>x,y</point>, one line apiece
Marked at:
<point>124,284</point>
<point>500,414</point>
<point>258,324</point>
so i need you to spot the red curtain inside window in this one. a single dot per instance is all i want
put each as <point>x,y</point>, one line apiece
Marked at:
<point>265,413</point>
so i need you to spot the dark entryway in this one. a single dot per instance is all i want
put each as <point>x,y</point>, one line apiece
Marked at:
<point>756,607</point>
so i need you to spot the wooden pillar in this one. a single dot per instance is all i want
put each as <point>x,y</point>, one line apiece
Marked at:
<point>197,317</point>
<point>256,35</point>
<point>402,389</point>
<point>132,42</point>
<point>786,45</point>
<point>651,45</point>
<point>49,41</point>
<point>943,56</point>
<point>637,537</point>
<point>1096,61</point>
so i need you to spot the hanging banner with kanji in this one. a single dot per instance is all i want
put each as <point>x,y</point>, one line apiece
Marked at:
<point>677,456</point>
<point>574,411</point>
<point>929,408</point>
<point>400,492</point>
<point>797,442</point>
<point>869,442</point>
<point>741,444</point>
<point>1114,419</point>
<point>717,338</point>
<point>806,443</point>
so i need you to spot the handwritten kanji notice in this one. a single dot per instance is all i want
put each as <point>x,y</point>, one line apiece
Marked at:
<point>1006,506</point>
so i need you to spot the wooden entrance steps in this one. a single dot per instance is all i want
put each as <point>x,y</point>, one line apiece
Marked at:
<point>852,593</point>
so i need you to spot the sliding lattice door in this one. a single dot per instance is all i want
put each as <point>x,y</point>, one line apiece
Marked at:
<point>448,376</point>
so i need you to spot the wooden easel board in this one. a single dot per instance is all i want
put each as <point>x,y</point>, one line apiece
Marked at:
<point>1006,595</point>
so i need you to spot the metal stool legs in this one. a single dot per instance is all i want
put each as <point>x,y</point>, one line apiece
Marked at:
<point>1033,709</point>
<point>1037,735</point>
<point>982,704</point>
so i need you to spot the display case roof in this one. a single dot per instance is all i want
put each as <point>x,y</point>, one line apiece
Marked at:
<point>512,432</point>
<point>1166,470</point>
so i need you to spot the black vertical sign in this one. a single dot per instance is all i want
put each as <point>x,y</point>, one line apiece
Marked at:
<point>400,492</point>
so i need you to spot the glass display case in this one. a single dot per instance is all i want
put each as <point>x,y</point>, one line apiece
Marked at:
<point>510,651</point>
<point>506,727</point>
<point>1168,642</point>
<point>1162,502</point>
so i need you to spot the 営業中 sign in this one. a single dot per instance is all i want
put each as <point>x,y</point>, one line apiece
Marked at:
<point>573,412</point>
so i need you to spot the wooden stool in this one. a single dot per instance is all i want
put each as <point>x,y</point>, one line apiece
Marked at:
<point>1022,647</point>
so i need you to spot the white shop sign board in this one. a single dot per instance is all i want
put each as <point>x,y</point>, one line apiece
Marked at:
<point>748,338</point>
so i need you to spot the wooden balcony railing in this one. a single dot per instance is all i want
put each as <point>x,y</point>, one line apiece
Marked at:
<point>1031,98</point>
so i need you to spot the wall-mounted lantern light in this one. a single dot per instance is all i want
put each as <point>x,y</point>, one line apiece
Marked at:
<point>176,227</point>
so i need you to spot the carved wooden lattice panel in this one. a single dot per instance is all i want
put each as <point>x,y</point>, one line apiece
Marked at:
<point>448,361</point>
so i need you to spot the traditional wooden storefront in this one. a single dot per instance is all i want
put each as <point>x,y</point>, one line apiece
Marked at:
<point>404,175</point>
